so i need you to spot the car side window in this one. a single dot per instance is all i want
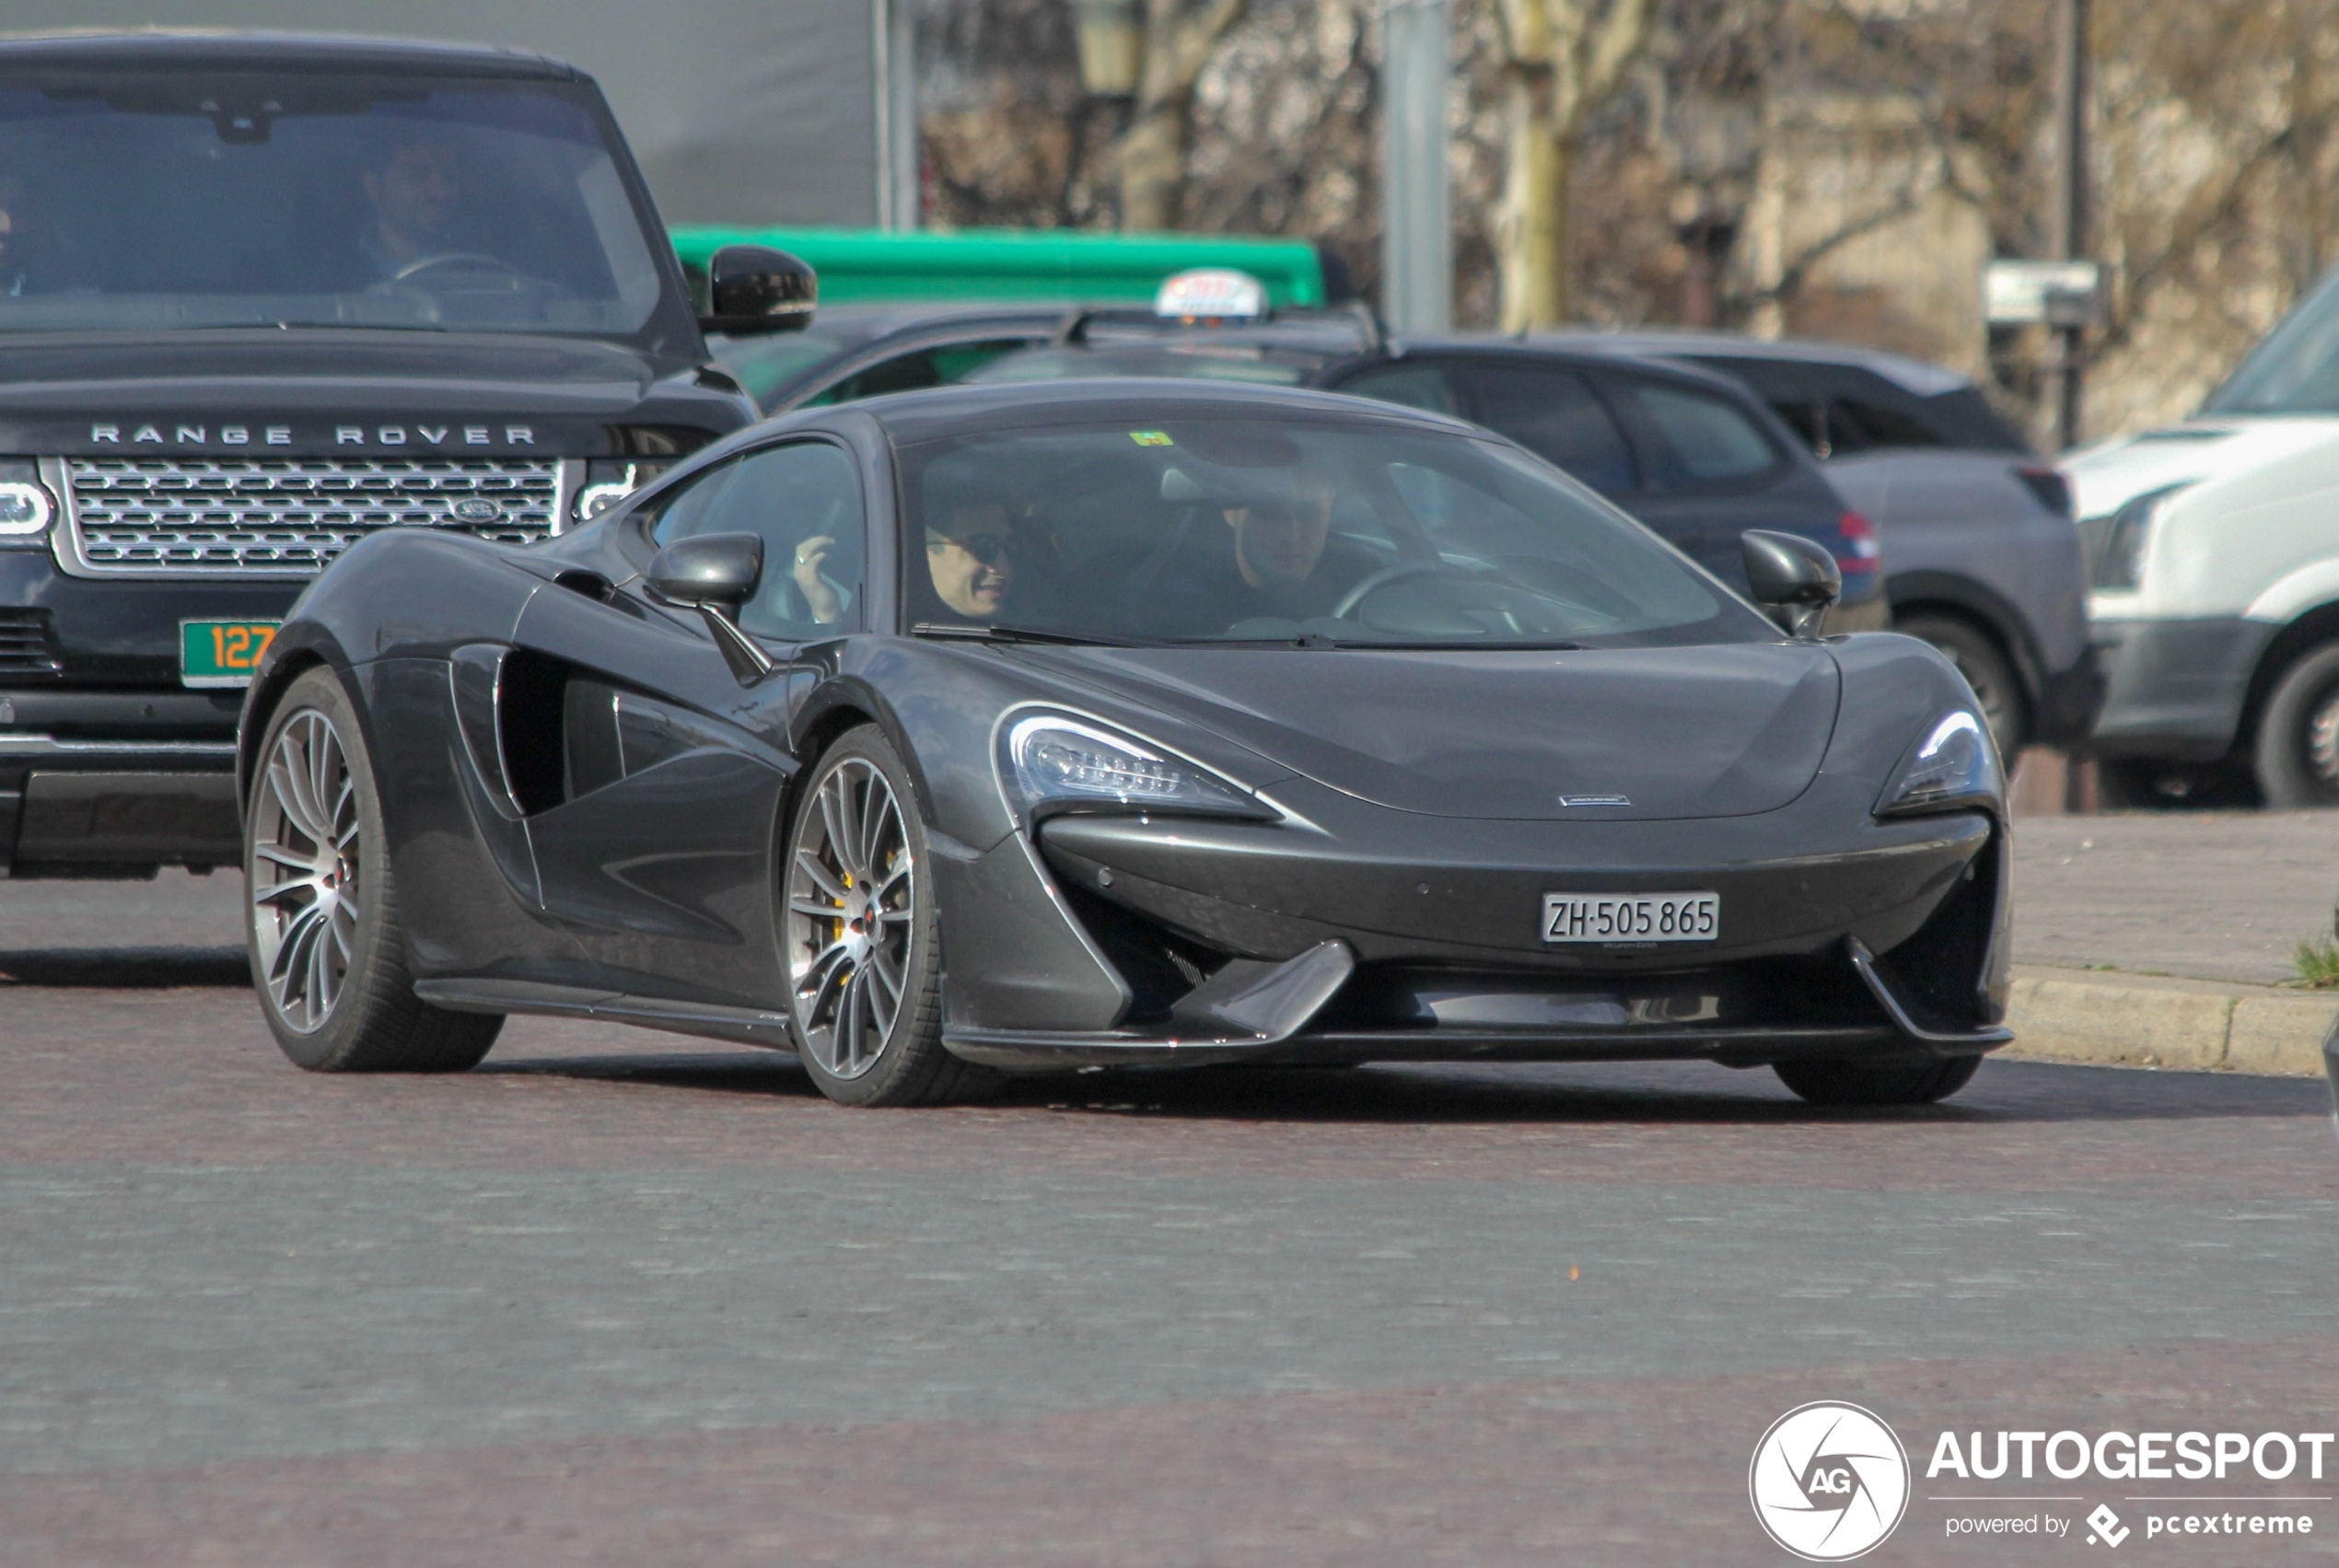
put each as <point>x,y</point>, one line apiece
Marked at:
<point>1557,415</point>
<point>1408,382</point>
<point>1696,438</point>
<point>804,499</point>
<point>942,365</point>
<point>1857,424</point>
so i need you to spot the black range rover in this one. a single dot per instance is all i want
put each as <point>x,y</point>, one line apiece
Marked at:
<point>260,296</point>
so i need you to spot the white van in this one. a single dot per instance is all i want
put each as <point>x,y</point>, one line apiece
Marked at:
<point>2213,550</point>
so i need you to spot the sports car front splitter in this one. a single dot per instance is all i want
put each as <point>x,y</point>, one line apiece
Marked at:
<point>1319,1007</point>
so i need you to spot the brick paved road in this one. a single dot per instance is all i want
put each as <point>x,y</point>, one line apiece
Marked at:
<point>613,1299</point>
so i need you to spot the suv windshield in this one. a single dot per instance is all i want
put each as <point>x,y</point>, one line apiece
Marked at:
<point>137,201</point>
<point>1237,529</point>
<point>2295,369</point>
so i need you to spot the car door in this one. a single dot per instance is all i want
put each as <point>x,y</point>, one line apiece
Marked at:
<point>671,771</point>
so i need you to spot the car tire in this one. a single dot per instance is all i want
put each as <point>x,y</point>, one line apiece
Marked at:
<point>2136,784</point>
<point>1837,1081</point>
<point>2296,759</point>
<point>1984,666</point>
<point>860,934</point>
<point>328,951</point>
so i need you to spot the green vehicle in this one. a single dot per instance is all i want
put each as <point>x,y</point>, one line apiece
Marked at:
<point>998,265</point>
<point>902,311</point>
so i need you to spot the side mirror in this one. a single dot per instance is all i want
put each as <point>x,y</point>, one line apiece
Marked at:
<point>753,289</point>
<point>1792,576</point>
<point>715,574</point>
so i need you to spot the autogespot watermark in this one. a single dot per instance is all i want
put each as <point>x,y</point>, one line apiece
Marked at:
<point>1831,1481</point>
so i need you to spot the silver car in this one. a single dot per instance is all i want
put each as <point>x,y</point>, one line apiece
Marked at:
<point>1981,556</point>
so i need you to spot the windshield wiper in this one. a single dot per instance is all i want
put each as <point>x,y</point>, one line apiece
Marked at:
<point>1008,634</point>
<point>1297,640</point>
<point>1459,646</point>
<point>1318,640</point>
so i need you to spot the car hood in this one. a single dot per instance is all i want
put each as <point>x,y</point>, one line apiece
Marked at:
<point>2105,478</point>
<point>1714,731</point>
<point>60,394</point>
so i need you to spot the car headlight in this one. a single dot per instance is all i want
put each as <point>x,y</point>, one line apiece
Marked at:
<point>25,506</point>
<point>608,481</point>
<point>2118,552</point>
<point>1955,765</point>
<point>1060,763</point>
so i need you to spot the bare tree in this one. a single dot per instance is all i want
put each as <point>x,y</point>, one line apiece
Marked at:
<point>1150,161</point>
<point>1562,62</point>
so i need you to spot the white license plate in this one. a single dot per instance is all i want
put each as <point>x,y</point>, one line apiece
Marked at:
<point>1632,917</point>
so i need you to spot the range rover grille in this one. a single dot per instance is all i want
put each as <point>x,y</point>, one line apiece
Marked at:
<point>291,515</point>
<point>25,645</point>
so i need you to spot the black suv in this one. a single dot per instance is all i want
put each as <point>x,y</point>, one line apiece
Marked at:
<point>264,295</point>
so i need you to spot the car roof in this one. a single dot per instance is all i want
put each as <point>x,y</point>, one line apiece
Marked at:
<point>880,318</point>
<point>1917,377</point>
<point>973,408</point>
<point>1541,350</point>
<point>167,49</point>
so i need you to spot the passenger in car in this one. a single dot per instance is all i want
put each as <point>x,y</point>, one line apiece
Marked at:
<point>970,559</point>
<point>825,598</point>
<point>16,235</point>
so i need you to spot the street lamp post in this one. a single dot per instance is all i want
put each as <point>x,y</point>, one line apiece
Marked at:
<point>2070,225</point>
<point>1416,225</point>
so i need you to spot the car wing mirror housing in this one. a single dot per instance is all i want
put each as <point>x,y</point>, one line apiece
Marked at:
<point>1792,577</point>
<point>753,289</point>
<point>716,574</point>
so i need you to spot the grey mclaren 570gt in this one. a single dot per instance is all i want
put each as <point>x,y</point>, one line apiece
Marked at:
<point>1003,729</point>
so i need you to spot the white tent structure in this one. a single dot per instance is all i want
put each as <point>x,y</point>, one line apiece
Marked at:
<point>742,111</point>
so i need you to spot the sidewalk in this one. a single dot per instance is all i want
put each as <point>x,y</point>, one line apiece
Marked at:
<point>2161,940</point>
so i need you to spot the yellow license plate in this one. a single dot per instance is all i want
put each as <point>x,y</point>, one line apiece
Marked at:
<point>222,653</point>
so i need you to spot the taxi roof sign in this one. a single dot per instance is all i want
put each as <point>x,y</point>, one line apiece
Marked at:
<point>1213,293</point>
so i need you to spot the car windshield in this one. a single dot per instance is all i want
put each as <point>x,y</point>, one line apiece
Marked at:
<point>1239,528</point>
<point>140,201</point>
<point>2295,369</point>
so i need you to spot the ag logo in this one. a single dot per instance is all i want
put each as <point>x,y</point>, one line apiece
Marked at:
<point>1830,1481</point>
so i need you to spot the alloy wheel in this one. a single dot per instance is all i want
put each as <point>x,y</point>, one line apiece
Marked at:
<point>304,859</point>
<point>2322,741</point>
<point>852,897</point>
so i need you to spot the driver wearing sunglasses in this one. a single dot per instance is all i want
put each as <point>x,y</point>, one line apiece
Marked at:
<point>971,559</point>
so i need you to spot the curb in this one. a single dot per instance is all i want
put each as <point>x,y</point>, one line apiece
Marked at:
<point>2129,1020</point>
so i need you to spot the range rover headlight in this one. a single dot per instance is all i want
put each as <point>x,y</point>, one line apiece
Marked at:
<point>25,506</point>
<point>1055,762</point>
<point>608,481</point>
<point>1955,765</point>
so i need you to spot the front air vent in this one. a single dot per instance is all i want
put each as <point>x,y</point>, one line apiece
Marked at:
<point>27,648</point>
